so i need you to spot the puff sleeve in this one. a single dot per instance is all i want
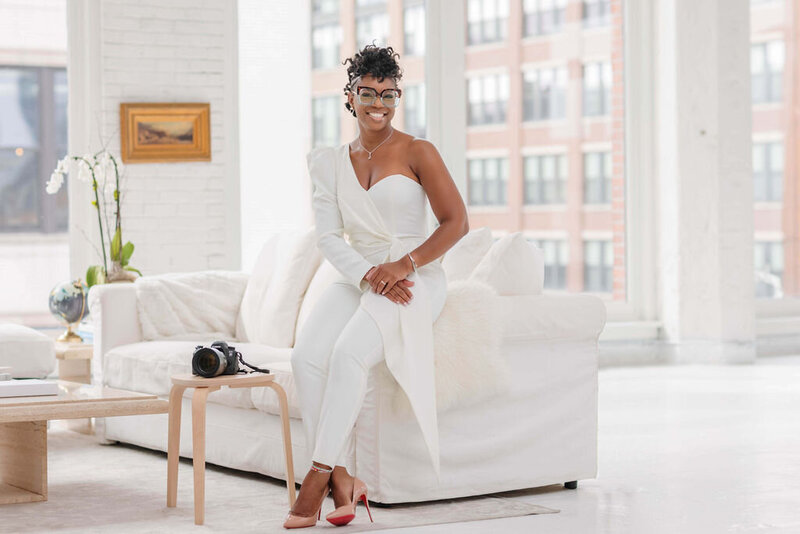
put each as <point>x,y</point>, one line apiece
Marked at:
<point>328,219</point>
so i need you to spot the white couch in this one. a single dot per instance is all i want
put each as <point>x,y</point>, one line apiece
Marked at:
<point>540,430</point>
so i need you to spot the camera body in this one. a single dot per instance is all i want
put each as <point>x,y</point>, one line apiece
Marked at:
<point>218,359</point>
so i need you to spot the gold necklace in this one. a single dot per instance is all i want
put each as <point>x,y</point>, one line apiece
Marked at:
<point>369,152</point>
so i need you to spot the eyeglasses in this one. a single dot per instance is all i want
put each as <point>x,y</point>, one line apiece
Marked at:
<point>368,95</point>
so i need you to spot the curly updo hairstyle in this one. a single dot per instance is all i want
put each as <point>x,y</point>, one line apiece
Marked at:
<point>379,62</point>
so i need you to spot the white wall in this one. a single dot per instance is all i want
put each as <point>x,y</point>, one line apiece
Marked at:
<point>275,119</point>
<point>180,216</point>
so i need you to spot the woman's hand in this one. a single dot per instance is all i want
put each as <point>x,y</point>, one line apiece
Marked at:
<point>392,274</point>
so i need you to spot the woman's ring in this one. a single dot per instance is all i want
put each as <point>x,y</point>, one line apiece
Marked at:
<point>382,282</point>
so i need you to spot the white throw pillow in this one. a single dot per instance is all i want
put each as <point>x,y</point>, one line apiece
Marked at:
<point>257,286</point>
<point>464,256</point>
<point>324,277</point>
<point>270,317</point>
<point>513,266</point>
<point>29,353</point>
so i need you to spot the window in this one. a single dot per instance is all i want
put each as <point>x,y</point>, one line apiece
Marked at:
<point>487,21</point>
<point>372,23</point>
<point>33,137</point>
<point>542,17</point>
<point>488,181</point>
<point>596,12</point>
<point>769,268</point>
<point>555,262</point>
<point>768,172</point>
<point>544,93</point>
<point>325,7</point>
<point>598,263</point>
<point>488,99</point>
<point>597,178</point>
<point>545,179</point>
<point>326,40</point>
<point>414,96</point>
<point>766,70</point>
<point>414,28</point>
<point>596,89</point>
<point>326,114</point>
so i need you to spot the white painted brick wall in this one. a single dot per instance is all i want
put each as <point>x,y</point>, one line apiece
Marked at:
<point>155,51</point>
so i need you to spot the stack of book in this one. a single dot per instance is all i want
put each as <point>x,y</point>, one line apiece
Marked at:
<point>33,387</point>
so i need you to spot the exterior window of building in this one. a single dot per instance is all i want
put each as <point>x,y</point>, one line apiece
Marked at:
<point>326,114</point>
<point>766,70</point>
<point>487,21</point>
<point>597,88</point>
<point>596,12</point>
<point>768,172</point>
<point>372,23</point>
<point>597,178</point>
<point>414,28</point>
<point>488,99</point>
<point>414,96</point>
<point>488,181</point>
<point>33,137</point>
<point>325,7</point>
<point>556,258</point>
<point>598,263</point>
<point>544,93</point>
<point>545,179</point>
<point>325,39</point>
<point>769,268</point>
<point>543,17</point>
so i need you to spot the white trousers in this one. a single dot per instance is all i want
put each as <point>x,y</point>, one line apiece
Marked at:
<point>331,359</point>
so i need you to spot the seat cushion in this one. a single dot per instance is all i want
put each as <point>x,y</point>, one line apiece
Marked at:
<point>266,400</point>
<point>147,367</point>
<point>29,353</point>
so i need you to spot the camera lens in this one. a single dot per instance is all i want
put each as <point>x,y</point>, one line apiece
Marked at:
<point>208,362</point>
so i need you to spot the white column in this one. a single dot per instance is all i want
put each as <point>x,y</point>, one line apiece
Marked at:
<point>705,180</point>
<point>274,119</point>
<point>445,86</point>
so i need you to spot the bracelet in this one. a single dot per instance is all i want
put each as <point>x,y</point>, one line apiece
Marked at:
<point>320,469</point>
<point>413,263</point>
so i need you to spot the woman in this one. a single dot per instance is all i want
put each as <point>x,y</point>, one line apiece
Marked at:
<point>393,286</point>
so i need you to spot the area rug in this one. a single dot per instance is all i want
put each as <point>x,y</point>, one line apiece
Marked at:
<point>122,489</point>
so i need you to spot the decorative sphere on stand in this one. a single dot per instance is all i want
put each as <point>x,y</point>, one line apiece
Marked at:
<point>68,304</point>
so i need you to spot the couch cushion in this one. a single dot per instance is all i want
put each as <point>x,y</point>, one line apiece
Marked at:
<point>552,317</point>
<point>266,400</point>
<point>462,258</point>
<point>29,353</point>
<point>147,367</point>
<point>513,266</point>
<point>257,286</point>
<point>269,317</point>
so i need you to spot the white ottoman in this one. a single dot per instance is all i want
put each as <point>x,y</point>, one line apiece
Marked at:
<point>29,353</point>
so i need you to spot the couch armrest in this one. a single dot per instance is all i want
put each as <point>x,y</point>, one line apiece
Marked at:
<point>551,317</point>
<point>115,319</point>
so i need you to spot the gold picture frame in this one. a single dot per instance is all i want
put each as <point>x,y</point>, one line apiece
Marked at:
<point>164,132</point>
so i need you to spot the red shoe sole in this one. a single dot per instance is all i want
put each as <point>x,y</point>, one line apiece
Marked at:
<point>341,520</point>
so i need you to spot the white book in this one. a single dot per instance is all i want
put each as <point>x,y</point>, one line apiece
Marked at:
<point>27,388</point>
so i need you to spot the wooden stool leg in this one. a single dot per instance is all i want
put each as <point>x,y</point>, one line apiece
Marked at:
<point>199,451</point>
<point>174,443</point>
<point>287,440</point>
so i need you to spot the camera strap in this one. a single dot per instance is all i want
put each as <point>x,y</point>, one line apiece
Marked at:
<point>253,367</point>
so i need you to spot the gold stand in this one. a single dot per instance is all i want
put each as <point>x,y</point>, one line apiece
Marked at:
<point>70,337</point>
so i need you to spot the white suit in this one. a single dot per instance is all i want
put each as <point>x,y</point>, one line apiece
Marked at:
<point>352,327</point>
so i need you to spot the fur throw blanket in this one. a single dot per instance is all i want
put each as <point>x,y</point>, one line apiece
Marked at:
<point>188,305</point>
<point>467,334</point>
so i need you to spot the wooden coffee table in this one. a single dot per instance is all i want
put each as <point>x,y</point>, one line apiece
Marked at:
<point>23,430</point>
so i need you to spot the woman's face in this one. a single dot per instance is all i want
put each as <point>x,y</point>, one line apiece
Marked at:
<point>375,116</point>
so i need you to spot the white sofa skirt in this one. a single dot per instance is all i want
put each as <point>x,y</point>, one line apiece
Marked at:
<point>542,431</point>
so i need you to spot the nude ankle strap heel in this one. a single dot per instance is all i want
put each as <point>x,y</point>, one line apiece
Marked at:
<point>299,521</point>
<point>347,512</point>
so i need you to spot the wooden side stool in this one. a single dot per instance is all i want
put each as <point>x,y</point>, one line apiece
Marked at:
<point>204,386</point>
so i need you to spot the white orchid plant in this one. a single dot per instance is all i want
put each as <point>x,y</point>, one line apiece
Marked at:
<point>90,168</point>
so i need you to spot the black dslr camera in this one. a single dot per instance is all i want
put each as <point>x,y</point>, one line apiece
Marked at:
<point>219,359</point>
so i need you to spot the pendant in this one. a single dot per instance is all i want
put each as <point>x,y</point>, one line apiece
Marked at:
<point>369,155</point>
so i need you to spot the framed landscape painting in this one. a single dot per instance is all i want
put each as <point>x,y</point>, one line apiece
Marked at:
<point>158,133</point>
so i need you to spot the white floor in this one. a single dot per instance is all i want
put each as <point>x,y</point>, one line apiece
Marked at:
<point>682,449</point>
